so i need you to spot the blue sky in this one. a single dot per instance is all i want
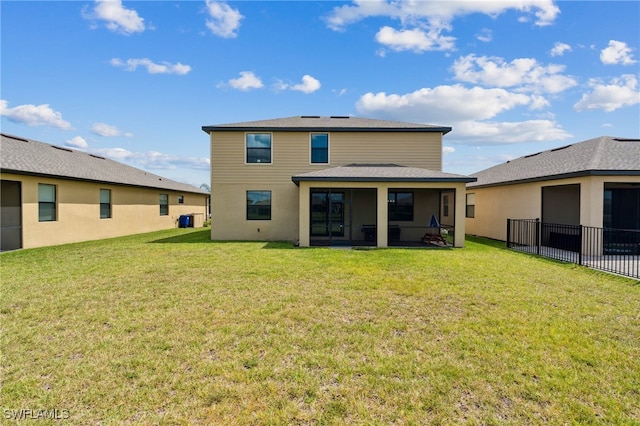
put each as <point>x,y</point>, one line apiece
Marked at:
<point>136,80</point>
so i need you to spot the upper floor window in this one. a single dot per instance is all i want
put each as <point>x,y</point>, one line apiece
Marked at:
<point>259,148</point>
<point>471,205</point>
<point>400,206</point>
<point>320,148</point>
<point>180,199</point>
<point>105,203</point>
<point>46,202</point>
<point>164,204</point>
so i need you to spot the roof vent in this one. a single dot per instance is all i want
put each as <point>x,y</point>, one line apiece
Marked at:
<point>309,116</point>
<point>15,138</point>
<point>561,148</point>
<point>339,116</point>
<point>97,156</point>
<point>531,155</point>
<point>626,140</point>
<point>61,148</point>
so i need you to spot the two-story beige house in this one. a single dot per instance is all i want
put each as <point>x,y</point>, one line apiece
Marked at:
<point>333,181</point>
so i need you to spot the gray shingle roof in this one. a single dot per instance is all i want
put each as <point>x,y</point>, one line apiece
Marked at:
<point>379,173</point>
<point>332,123</point>
<point>26,156</point>
<point>604,155</point>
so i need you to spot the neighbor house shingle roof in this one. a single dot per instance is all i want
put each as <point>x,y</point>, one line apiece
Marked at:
<point>379,173</point>
<point>30,157</point>
<point>604,155</point>
<point>332,123</point>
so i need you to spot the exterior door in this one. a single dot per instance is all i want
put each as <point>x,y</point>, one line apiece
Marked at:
<point>10,215</point>
<point>327,214</point>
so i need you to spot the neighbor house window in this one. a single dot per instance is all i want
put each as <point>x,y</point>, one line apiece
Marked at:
<point>400,206</point>
<point>258,205</point>
<point>180,199</point>
<point>320,148</point>
<point>164,204</point>
<point>259,148</point>
<point>46,202</point>
<point>471,205</point>
<point>445,205</point>
<point>105,203</point>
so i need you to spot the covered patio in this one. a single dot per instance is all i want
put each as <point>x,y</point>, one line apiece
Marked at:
<point>381,205</point>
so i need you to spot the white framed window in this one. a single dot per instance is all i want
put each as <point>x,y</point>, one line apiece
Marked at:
<point>164,204</point>
<point>319,147</point>
<point>46,202</point>
<point>470,210</point>
<point>105,203</point>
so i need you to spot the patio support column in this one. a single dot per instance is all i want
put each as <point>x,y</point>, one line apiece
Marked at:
<point>303,214</point>
<point>382,225</point>
<point>592,211</point>
<point>460,210</point>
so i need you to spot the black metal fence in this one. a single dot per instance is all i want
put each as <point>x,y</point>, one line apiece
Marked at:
<point>611,250</point>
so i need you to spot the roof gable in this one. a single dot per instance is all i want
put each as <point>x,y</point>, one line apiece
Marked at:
<point>604,155</point>
<point>26,156</point>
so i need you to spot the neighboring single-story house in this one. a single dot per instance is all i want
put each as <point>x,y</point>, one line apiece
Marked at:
<point>592,183</point>
<point>54,195</point>
<point>332,181</point>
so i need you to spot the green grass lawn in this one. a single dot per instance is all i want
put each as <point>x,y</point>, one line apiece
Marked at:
<point>171,328</point>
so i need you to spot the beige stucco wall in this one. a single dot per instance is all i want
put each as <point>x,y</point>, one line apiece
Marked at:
<point>493,205</point>
<point>229,212</point>
<point>133,210</point>
<point>231,177</point>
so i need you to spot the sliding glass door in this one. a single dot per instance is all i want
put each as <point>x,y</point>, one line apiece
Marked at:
<point>327,213</point>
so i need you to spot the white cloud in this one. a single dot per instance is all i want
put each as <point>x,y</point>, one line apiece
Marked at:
<point>467,110</point>
<point>77,142</point>
<point>225,21</point>
<point>559,49</point>
<point>617,53</point>
<point>308,85</point>
<point>440,103</point>
<point>152,68</point>
<point>429,19</point>
<point>118,18</point>
<point>34,115</point>
<point>416,39</point>
<point>107,130</point>
<point>154,159</point>
<point>246,81</point>
<point>494,133</point>
<point>526,74</point>
<point>448,150</point>
<point>545,11</point>
<point>477,162</point>
<point>280,85</point>
<point>485,35</point>
<point>620,92</point>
